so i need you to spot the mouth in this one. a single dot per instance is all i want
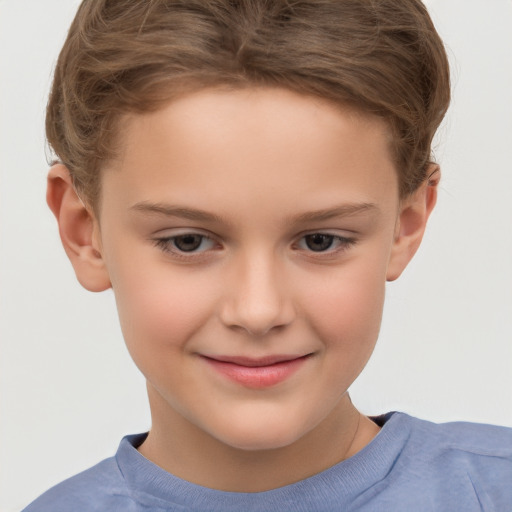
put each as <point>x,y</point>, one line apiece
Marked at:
<point>257,373</point>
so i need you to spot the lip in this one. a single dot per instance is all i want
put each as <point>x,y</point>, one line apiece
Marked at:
<point>256,373</point>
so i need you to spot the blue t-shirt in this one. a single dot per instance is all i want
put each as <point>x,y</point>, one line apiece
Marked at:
<point>411,465</point>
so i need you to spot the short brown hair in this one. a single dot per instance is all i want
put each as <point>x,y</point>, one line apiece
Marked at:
<point>383,57</point>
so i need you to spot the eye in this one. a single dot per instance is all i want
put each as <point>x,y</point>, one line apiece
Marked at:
<point>192,243</point>
<point>324,243</point>
<point>319,242</point>
<point>188,243</point>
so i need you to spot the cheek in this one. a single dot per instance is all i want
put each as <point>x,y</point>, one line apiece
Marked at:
<point>347,309</point>
<point>160,310</point>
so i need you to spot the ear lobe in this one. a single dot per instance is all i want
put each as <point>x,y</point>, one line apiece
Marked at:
<point>412,221</point>
<point>78,229</point>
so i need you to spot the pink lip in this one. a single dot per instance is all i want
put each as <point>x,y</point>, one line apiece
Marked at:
<point>256,373</point>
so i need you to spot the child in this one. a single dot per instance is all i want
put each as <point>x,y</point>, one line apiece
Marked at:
<point>246,176</point>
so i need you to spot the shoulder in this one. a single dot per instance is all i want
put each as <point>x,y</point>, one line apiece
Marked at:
<point>473,439</point>
<point>100,488</point>
<point>458,459</point>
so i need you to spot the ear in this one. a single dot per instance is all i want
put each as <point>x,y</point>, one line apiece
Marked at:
<point>411,223</point>
<point>79,230</point>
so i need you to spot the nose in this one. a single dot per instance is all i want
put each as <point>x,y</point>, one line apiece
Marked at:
<point>257,298</point>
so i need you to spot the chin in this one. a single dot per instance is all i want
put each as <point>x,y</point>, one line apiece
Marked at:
<point>260,435</point>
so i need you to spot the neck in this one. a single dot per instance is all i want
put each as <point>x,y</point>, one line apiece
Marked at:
<point>188,452</point>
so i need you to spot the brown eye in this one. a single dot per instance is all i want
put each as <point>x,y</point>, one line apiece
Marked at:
<point>319,242</point>
<point>188,243</point>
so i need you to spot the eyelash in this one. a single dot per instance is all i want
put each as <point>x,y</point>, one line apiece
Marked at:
<point>344,243</point>
<point>167,245</point>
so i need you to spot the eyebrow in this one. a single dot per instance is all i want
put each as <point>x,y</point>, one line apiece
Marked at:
<point>177,211</point>
<point>345,210</point>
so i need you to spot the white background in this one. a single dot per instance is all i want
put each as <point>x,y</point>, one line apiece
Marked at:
<point>69,391</point>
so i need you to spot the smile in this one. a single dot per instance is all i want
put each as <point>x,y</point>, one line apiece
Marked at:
<point>256,373</point>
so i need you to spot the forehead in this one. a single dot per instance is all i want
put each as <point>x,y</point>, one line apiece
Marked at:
<point>215,144</point>
<point>271,108</point>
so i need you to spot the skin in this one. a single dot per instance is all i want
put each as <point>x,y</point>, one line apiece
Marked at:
<point>254,174</point>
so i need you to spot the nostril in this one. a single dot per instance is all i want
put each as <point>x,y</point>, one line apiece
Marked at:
<point>257,321</point>
<point>257,298</point>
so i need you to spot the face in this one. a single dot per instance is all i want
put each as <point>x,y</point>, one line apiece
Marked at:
<point>247,237</point>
